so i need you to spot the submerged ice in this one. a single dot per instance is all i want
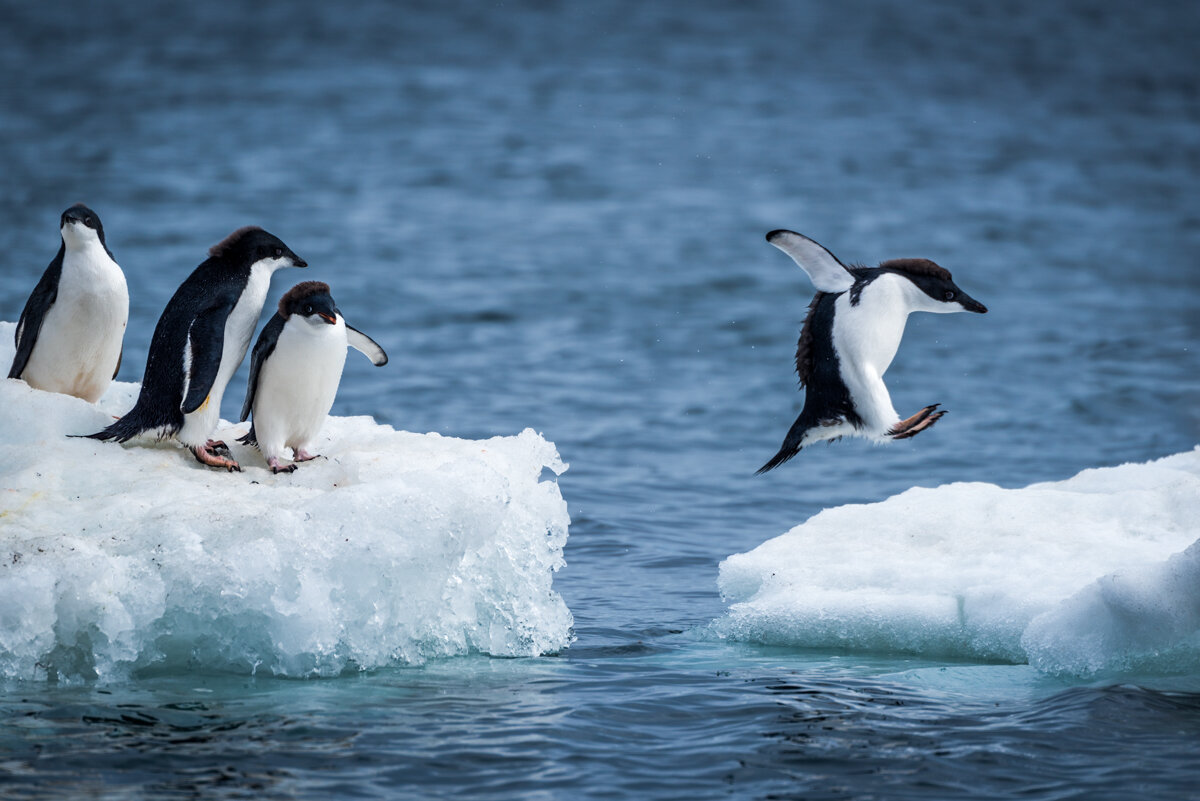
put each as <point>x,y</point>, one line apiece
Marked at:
<point>394,549</point>
<point>1097,574</point>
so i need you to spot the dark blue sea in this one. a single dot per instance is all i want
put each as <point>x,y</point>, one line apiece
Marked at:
<point>552,215</point>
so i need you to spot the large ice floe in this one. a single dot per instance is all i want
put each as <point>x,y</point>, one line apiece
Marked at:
<point>394,549</point>
<point>1095,575</point>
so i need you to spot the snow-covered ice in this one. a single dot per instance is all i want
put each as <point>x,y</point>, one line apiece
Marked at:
<point>1095,575</point>
<point>396,548</point>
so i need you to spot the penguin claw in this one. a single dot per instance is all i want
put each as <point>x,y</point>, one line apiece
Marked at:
<point>277,468</point>
<point>914,425</point>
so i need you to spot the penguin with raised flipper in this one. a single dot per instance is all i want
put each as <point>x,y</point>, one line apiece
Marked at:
<point>70,334</point>
<point>199,342</point>
<point>295,369</point>
<point>849,338</point>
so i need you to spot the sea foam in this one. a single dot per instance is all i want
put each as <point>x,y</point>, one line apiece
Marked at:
<point>393,549</point>
<point>1095,575</point>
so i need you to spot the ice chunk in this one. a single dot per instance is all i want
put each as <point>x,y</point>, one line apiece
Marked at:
<point>1074,576</point>
<point>1143,619</point>
<point>395,548</point>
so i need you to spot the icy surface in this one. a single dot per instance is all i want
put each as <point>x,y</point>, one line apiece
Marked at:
<point>1098,574</point>
<point>394,549</point>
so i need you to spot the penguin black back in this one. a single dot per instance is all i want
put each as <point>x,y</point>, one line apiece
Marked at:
<point>204,299</point>
<point>826,396</point>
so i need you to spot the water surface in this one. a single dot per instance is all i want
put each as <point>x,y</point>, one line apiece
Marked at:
<point>552,215</point>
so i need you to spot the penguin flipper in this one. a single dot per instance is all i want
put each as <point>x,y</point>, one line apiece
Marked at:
<point>828,274</point>
<point>364,345</point>
<point>263,348</point>
<point>206,342</point>
<point>120,358</point>
<point>30,322</point>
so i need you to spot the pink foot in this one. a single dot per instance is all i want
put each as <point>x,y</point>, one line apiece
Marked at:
<point>273,463</point>
<point>304,456</point>
<point>211,455</point>
<point>917,423</point>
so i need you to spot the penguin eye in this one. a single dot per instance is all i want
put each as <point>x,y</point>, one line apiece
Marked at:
<point>278,252</point>
<point>948,295</point>
<point>89,222</point>
<point>308,309</point>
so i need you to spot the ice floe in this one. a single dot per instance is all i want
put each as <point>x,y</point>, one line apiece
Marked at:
<point>1097,574</point>
<point>394,549</point>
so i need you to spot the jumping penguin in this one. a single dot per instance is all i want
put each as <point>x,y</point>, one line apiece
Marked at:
<point>849,338</point>
<point>295,369</point>
<point>70,334</point>
<point>199,342</point>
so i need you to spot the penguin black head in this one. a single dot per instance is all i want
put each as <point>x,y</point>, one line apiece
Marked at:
<point>76,221</point>
<point>311,300</point>
<point>250,245</point>
<point>944,296</point>
<point>81,214</point>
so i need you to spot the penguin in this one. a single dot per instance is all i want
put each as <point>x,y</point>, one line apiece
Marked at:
<point>199,342</point>
<point>71,333</point>
<point>849,338</point>
<point>295,369</point>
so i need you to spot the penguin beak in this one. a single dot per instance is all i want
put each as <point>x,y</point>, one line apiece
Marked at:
<point>970,304</point>
<point>329,318</point>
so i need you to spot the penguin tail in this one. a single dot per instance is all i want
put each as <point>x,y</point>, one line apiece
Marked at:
<point>127,428</point>
<point>792,444</point>
<point>785,454</point>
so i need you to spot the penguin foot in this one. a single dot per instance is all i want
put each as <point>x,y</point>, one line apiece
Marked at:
<point>210,454</point>
<point>273,463</point>
<point>917,423</point>
<point>301,455</point>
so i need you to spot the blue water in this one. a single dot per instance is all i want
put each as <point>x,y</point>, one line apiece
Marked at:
<point>552,215</point>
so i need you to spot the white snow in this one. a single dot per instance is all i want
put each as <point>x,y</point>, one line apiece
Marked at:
<point>1095,575</point>
<point>395,549</point>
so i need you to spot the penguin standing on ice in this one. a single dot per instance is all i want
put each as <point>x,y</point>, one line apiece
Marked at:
<point>849,338</point>
<point>295,370</point>
<point>69,337</point>
<point>199,342</point>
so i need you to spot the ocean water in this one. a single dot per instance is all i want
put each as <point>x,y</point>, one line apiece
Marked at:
<point>551,215</point>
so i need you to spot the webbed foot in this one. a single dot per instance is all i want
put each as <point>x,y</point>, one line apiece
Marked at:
<point>301,455</point>
<point>276,467</point>
<point>917,423</point>
<point>215,454</point>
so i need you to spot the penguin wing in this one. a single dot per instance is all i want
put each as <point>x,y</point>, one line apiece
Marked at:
<point>366,346</point>
<point>205,343</point>
<point>827,273</point>
<point>30,322</point>
<point>263,348</point>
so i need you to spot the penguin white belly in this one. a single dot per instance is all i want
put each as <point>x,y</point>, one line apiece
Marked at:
<point>198,426</point>
<point>79,344</point>
<point>866,337</point>
<point>297,384</point>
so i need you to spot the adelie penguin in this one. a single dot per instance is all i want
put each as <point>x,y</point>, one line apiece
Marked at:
<point>295,370</point>
<point>199,342</point>
<point>69,337</point>
<point>849,338</point>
